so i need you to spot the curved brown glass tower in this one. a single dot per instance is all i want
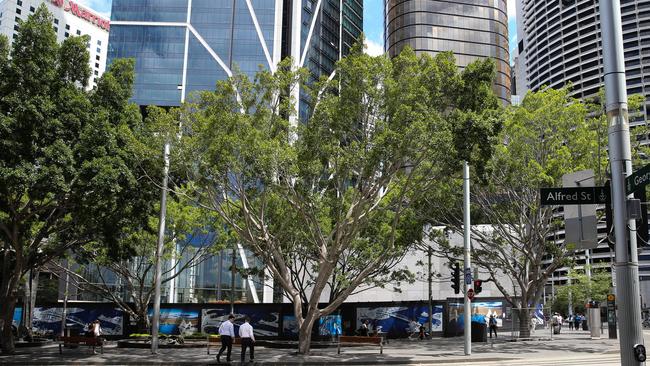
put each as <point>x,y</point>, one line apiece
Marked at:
<point>472,29</point>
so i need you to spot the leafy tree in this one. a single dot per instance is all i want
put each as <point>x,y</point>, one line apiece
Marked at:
<point>580,289</point>
<point>129,282</point>
<point>68,175</point>
<point>547,136</point>
<point>329,204</point>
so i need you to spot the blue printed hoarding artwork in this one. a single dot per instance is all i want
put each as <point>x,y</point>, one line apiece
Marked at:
<point>47,320</point>
<point>396,320</point>
<point>481,311</point>
<point>178,321</point>
<point>18,316</point>
<point>290,326</point>
<point>212,318</point>
<point>264,322</point>
<point>329,325</point>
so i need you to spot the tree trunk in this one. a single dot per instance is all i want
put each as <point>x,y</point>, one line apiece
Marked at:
<point>11,271</point>
<point>142,324</point>
<point>7,314</point>
<point>29,302</point>
<point>304,338</point>
<point>524,323</point>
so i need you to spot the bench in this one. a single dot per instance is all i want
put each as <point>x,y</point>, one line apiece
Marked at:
<point>78,340</point>
<point>361,340</point>
<point>213,339</point>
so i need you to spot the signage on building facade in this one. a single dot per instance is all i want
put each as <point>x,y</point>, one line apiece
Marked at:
<point>83,13</point>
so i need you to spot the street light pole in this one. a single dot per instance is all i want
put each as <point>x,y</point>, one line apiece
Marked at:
<point>468,265</point>
<point>159,249</point>
<point>627,267</point>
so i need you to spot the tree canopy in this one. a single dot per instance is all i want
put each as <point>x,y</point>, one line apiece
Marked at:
<point>330,204</point>
<point>550,134</point>
<point>68,170</point>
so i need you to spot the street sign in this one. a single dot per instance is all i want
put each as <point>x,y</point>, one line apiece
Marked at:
<point>637,180</point>
<point>580,221</point>
<point>468,276</point>
<point>611,315</point>
<point>470,294</point>
<point>574,196</point>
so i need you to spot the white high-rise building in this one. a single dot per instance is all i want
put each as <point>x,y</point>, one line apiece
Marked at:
<point>70,19</point>
<point>560,43</point>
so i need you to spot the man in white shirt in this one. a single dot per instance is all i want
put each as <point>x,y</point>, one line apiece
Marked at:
<point>247,339</point>
<point>227,335</point>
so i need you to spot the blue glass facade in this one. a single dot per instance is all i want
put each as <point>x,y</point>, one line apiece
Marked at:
<point>221,36</point>
<point>337,27</point>
<point>159,60</point>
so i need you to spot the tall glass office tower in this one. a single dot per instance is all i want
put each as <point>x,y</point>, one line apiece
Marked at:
<point>181,46</point>
<point>472,29</point>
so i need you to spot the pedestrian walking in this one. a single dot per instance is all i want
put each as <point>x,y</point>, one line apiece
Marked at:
<point>247,339</point>
<point>227,335</point>
<point>569,319</point>
<point>556,321</point>
<point>576,321</point>
<point>493,325</point>
<point>96,332</point>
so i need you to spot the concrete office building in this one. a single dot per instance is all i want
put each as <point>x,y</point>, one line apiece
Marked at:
<point>70,19</point>
<point>472,29</point>
<point>560,43</point>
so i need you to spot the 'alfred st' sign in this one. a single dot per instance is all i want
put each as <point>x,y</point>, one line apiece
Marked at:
<point>574,196</point>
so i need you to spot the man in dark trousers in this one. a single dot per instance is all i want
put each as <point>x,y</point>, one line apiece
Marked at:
<point>227,335</point>
<point>247,339</point>
<point>493,325</point>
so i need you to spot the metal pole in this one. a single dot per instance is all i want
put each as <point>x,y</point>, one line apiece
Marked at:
<point>468,264</point>
<point>65,297</point>
<point>232,280</point>
<point>159,249</point>
<point>627,267</point>
<point>570,305</point>
<point>430,320</point>
<point>588,272</point>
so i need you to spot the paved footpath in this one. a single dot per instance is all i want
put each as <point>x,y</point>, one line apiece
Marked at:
<point>568,348</point>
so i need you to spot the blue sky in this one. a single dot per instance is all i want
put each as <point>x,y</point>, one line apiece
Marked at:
<point>103,7</point>
<point>373,24</point>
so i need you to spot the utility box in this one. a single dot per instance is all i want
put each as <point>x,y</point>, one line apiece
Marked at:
<point>595,322</point>
<point>479,332</point>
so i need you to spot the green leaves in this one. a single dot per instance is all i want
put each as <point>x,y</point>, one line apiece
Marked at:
<point>333,203</point>
<point>67,172</point>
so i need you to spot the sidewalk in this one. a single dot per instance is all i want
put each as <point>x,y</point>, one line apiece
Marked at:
<point>564,348</point>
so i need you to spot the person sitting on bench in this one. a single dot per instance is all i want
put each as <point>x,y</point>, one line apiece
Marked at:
<point>363,329</point>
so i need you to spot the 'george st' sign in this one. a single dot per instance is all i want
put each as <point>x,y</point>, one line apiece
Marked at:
<point>637,180</point>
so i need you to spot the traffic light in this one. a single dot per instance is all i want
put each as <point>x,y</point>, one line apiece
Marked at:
<point>455,278</point>
<point>477,286</point>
